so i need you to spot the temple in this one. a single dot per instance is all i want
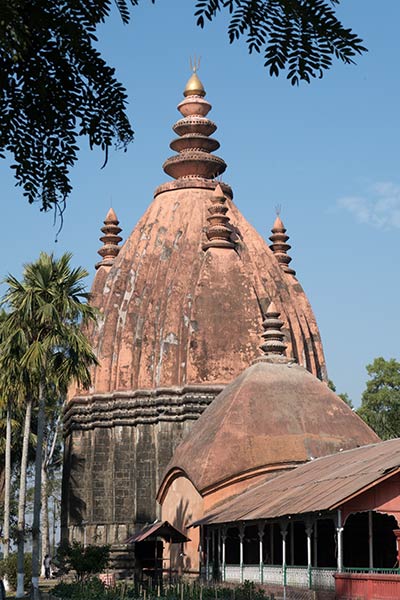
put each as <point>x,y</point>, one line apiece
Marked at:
<point>187,413</point>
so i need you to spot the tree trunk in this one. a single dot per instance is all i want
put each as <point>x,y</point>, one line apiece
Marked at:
<point>37,492</point>
<point>45,517</point>
<point>7,468</point>
<point>22,501</point>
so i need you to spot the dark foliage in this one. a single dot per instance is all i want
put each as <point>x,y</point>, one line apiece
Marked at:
<point>300,37</point>
<point>95,590</point>
<point>8,569</point>
<point>54,86</point>
<point>86,561</point>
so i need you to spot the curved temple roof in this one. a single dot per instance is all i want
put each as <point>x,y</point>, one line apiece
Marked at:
<point>177,307</point>
<point>274,415</point>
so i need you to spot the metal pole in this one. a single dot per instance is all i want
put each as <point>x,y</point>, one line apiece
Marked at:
<point>371,539</point>
<point>339,530</point>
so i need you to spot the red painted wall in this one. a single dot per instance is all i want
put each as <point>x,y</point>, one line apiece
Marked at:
<point>367,586</point>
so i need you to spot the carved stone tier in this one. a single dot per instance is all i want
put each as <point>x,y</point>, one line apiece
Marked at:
<point>280,246</point>
<point>110,239</point>
<point>194,146</point>
<point>138,406</point>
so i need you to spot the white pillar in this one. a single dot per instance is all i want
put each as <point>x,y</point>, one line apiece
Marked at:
<point>309,529</point>
<point>223,561</point>
<point>284,534</point>
<point>370,539</point>
<point>339,532</point>
<point>241,538</point>
<point>261,549</point>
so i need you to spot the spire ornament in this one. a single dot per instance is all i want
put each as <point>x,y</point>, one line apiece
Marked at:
<point>218,231</point>
<point>110,239</point>
<point>279,244</point>
<point>274,338</point>
<point>194,144</point>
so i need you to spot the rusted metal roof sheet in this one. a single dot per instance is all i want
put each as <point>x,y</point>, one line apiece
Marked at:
<point>163,530</point>
<point>321,484</point>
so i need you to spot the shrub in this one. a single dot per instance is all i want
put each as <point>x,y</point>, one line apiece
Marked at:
<point>92,589</point>
<point>86,561</point>
<point>8,569</point>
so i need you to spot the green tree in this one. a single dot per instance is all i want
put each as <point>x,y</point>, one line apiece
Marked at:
<point>380,404</point>
<point>344,396</point>
<point>16,386</point>
<point>47,310</point>
<point>56,87</point>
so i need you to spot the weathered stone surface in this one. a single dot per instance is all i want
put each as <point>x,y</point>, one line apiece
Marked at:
<point>178,323</point>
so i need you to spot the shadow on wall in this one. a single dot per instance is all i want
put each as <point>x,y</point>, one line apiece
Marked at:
<point>179,560</point>
<point>73,507</point>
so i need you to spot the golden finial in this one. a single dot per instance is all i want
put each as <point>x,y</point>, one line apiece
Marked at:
<point>194,87</point>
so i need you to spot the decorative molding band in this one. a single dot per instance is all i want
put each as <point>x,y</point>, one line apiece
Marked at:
<point>138,407</point>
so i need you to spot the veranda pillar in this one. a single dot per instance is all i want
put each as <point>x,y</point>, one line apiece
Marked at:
<point>223,559</point>
<point>397,534</point>
<point>339,533</point>
<point>309,529</point>
<point>284,532</point>
<point>241,538</point>
<point>261,549</point>
<point>371,539</point>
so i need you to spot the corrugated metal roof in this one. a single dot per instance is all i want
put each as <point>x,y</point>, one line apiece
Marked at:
<point>164,529</point>
<point>320,484</point>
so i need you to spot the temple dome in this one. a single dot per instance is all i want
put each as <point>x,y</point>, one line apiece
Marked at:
<point>275,415</point>
<point>182,298</point>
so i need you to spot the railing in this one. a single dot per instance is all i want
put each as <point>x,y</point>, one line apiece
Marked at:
<point>393,571</point>
<point>291,575</point>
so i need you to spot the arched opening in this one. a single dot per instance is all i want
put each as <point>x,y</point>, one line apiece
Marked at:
<point>370,538</point>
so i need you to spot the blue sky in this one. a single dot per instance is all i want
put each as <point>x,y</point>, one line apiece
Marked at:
<point>328,153</point>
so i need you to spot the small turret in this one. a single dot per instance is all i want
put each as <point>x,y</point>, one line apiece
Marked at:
<point>218,231</point>
<point>279,246</point>
<point>274,338</point>
<point>110,239</point>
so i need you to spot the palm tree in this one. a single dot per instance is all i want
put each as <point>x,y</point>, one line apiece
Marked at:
<point>47,310</point>
<point>15,387</point>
